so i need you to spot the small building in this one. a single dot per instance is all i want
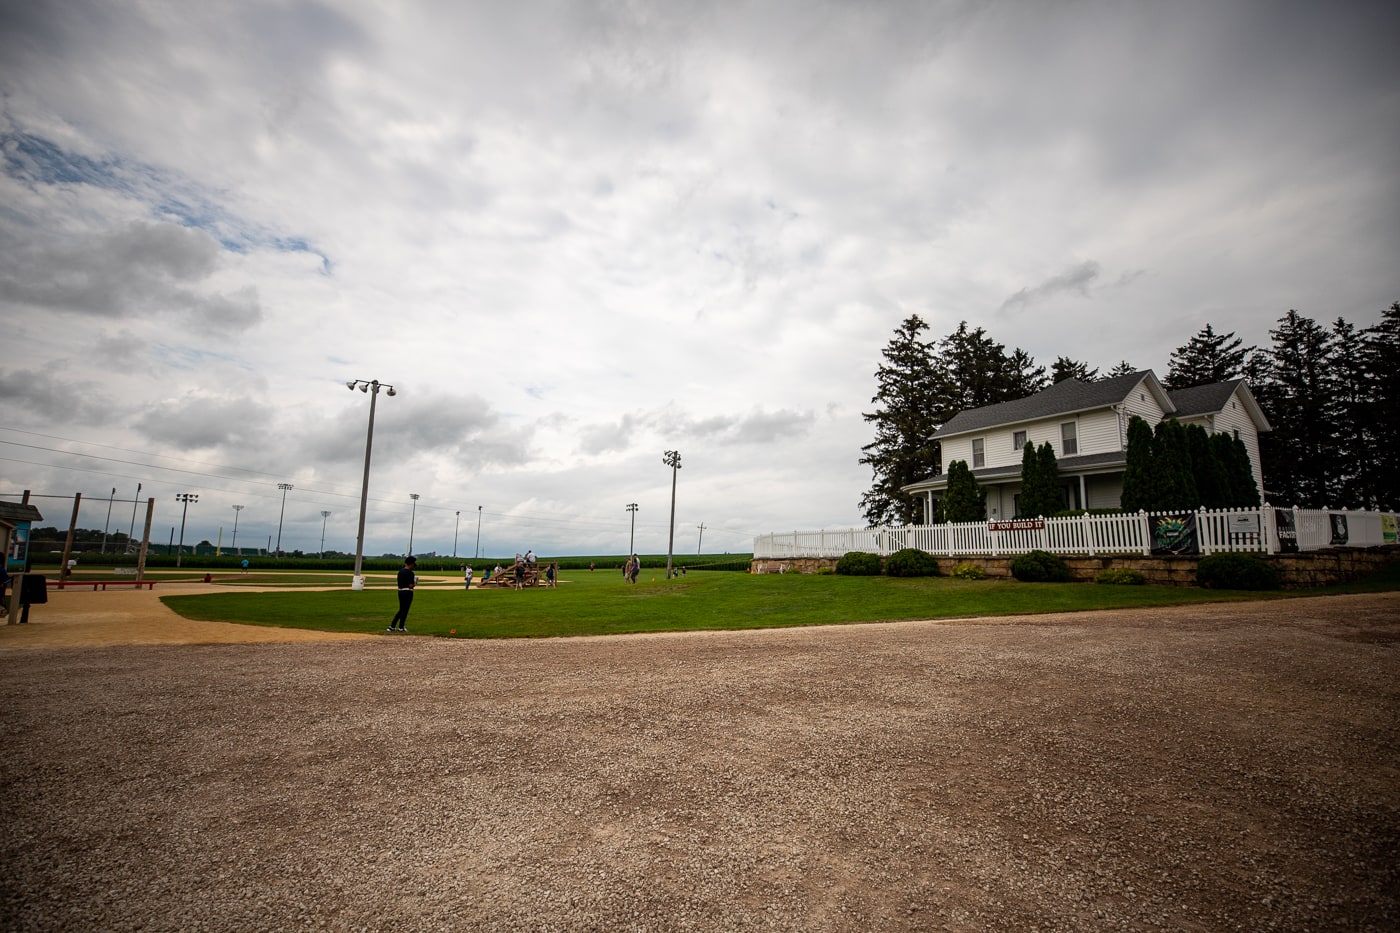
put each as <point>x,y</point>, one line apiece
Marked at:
<point>1086,423</point>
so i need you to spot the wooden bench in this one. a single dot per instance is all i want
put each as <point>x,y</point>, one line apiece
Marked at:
<point>63,584</point>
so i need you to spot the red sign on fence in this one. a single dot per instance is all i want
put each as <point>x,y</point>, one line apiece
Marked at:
<point>1020,524</point>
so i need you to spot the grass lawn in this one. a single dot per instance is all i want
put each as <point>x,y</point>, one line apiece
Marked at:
<point>600,603</point>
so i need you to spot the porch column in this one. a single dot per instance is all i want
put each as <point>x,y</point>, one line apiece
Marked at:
<point>1083,493</point>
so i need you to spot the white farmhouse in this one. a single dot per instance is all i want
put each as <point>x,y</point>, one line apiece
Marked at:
<point>1087,425</point>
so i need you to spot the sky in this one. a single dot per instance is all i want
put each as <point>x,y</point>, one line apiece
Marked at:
<point>576,235</point>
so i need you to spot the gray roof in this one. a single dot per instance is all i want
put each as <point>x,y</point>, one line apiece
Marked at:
<point>1202,400</point>
<point>1068,395</point>
<point>11,512</point>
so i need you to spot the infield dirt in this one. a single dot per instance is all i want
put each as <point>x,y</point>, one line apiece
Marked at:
<point>1227,766</point>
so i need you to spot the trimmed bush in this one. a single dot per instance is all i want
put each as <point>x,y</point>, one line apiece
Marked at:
<point>858,564</point>
<point>1235,572</point>
<point>911,562</point>
<point>966,571</point>
<point>1120,576</point>
<point>1040,567</point>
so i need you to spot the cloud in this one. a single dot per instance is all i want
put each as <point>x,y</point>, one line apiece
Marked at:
<point>757,427</point>
<point>1076,280</point>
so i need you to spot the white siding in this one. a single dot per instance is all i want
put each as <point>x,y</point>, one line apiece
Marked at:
<point>1143,403</point>
<point>958,448</point>
<point>1233,418</point>
<point>1099,432</point>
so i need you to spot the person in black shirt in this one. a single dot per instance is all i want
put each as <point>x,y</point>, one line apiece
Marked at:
<point>407,581</point>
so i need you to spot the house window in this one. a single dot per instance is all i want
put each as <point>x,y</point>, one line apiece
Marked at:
<point>1018,440</point>
<point>1069,439</point>
<point>979,454</point>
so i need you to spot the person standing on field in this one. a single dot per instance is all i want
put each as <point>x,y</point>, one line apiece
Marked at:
<point>467,575</point>
<point>407,581</point>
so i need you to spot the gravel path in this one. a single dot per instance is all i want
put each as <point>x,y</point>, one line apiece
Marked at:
<point>1220,767</point>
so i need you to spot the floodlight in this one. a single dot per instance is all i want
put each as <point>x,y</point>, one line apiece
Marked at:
<point>350,385</point>
<point>390,391</point>
<point>364,387</point>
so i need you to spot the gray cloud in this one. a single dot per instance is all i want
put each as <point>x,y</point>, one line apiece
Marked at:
<point>1076,279</point>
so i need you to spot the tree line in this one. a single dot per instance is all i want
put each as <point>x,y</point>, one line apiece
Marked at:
<point>1331,394</point>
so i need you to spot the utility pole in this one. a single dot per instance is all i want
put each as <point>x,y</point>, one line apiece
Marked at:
<point>672,460</point>
<point>457,524</point>
<point>632,540</point>
<point>478,533</point>
<point>324,515</point>
<point>132,530</point>
<point>234,546</point>
<point>702,539</point>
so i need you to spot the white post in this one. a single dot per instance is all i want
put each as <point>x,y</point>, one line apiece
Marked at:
<point>1146,528</point>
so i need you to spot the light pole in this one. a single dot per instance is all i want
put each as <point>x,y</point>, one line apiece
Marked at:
<point>284,487</point>
<point>358,583</point>
<point>234,546</point>
<point>186,498</point>
<point>701,542</point>
<point>132,530</point>
<point>455,526</point>
<point>324,515</point>
<point>632,538</point>
<point>109,519</point>
<point>672,460</point>
<point>477,553</point>
<point>411,520</point>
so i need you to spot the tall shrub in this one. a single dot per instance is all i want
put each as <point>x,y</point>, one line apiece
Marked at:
<point>965,501</point>
<point>1137,475</point>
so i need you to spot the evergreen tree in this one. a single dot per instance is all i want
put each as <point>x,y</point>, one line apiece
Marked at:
<point>910,406</point>
<point>1294,387</point>
<point>1231,494</point>
<point>1379,468</point>
<point>1047,478</point>
<point>1211,474</point>
<point>1353,439</point>
<point>1122,369</point>
<point>981,372</point>
<point>1207,357</point>
<point>1066,368</point>
<point>964,501</point>
<point>1174,486</point>
<point>1030,469</point>
<point>1137,475</point>
<point>1243,487</point>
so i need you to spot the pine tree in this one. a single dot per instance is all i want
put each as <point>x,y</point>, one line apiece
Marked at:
<point>1380,470</point>
<point>1293,384</point>
<point>1122,369</point>
<point>1231,495</point>
<point>1207,357</point>
<point>1353,440</point>
<point>1066,368</point>
<point>981,372</point>
<point>964,501</point>
<point>1030,469</point>
<point>1047,478</point>
<point>1137,474</point>
<point>911,404</point>
<point>1211,474</point>
<point>1175,487</point>
<point>1243,487</point>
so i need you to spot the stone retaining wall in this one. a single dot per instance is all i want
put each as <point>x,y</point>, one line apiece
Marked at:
<point>1295,571</point>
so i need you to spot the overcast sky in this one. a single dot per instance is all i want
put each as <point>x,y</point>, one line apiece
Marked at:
<point>576,235</point>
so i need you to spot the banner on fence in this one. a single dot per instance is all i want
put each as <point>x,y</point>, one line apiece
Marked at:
<point>1339,529</point>
<point>1174,533</point>
<point>1244,523</point>
<point>1017,524</point>
<point>1287,531</point>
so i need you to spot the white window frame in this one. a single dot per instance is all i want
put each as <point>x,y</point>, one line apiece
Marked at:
<point>979,453</point>
<point>1068,439</point>
<point>1018,440</point>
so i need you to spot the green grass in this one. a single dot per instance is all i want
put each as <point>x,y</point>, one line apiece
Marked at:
<point>600,604</point>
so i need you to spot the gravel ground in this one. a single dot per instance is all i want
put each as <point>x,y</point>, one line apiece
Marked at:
<point>1220,767</point>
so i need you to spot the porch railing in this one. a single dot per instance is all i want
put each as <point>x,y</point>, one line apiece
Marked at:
<point>1265,530</point>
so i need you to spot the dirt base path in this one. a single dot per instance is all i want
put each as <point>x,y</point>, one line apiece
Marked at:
<point>84,617</point>
<point>1217,767</point>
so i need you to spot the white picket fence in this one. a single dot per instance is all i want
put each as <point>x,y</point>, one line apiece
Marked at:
<point>1242,530</point>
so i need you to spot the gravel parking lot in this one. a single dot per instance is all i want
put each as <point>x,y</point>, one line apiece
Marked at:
<point>1221,767</point>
